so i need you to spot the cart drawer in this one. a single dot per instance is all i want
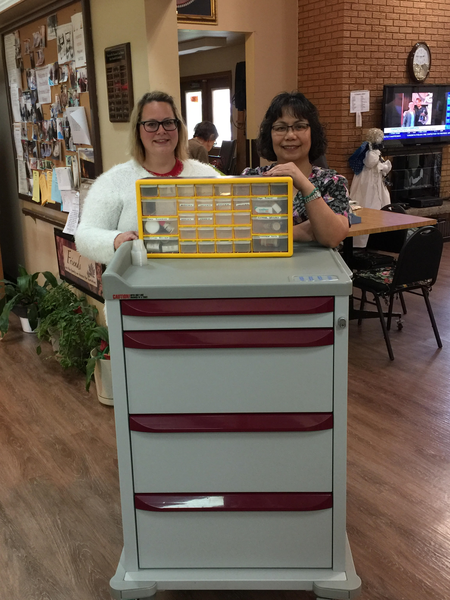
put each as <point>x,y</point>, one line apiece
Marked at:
<point>237,462</point>
<point>235,531</point>
<point>202,380</point>
<point>229,306</point>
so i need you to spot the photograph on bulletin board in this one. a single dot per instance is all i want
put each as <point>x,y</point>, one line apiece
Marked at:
<point>50,105</point>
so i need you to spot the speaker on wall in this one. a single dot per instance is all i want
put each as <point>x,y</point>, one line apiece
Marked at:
<point>239,85</point>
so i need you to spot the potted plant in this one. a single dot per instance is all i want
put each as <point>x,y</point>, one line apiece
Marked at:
<point>59,301</point>
<point>99,366</point>
<point>24,297</point>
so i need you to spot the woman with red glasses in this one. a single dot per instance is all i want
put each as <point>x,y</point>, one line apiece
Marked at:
<point>158,147</point>
<point>292,135</point>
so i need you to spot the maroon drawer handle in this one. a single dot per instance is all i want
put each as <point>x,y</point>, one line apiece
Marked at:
<point>231,422</point>
<point>252,501</point>
<point>228,338</point>
<point>227,306</point>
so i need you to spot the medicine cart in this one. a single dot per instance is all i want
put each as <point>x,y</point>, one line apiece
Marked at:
<point>230,393</point>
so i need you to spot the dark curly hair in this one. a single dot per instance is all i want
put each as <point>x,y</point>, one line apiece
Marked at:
<point>299,106</point>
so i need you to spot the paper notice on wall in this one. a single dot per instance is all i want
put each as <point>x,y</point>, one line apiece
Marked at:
<point>22,177</point>
<point>78,124</point>
<point>64,39</point>
<point>43,87</point>
<point>70,200</point>
<point>36,195</point>
<point>359,101</point>
<point>55,194</point>
<point>17,128</point>
<point>14,75</point>
<point>15,103</point>
<point>78,40</point>
<point>64,178</point>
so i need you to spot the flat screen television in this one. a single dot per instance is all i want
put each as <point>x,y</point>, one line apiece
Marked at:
<point>416,114</point>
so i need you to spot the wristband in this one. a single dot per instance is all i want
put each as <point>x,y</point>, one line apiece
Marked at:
<point>312,196</point>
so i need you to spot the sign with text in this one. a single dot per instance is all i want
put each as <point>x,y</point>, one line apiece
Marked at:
<point>81,272</point>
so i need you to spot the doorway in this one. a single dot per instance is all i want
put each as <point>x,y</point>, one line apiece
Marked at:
<point>207,97</point>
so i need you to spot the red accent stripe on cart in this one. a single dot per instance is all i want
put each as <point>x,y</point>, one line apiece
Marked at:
<point>230,422</point>
<point>228,338</point>
<point>238,501</point>
<point>227,306</point>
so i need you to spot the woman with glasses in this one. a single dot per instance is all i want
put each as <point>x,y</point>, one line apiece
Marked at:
<point>158,149</point>
<point>292,135</point>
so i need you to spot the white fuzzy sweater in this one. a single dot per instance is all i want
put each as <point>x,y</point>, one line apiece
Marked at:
<point>110,207</point>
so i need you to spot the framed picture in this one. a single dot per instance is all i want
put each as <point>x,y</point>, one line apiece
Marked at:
<point>196,11</point>
<point>79,271</point>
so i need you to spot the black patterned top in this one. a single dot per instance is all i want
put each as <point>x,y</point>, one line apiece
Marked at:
<point>333,187</point>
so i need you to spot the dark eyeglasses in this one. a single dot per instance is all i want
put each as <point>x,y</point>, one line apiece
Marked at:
<point>153,126</point>
<point>282,128</point>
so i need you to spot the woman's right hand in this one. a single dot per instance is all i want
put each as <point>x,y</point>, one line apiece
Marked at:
<point>126,236</point>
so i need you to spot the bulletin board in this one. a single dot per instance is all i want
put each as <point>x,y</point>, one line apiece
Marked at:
<point>52,104</point>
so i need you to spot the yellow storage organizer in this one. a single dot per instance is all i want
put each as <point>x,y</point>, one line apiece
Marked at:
<point>210,218</point>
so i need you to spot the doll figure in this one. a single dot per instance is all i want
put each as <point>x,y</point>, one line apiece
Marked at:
<point>369,187</point>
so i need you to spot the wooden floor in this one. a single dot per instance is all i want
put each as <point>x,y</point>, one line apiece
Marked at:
<point>59,498</point>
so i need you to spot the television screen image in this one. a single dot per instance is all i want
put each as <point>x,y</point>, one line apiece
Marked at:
<point>416,114</point>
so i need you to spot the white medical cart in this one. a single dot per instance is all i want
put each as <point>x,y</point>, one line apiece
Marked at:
<point>230,394</point>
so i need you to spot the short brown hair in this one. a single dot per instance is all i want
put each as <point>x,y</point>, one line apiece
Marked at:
<point>137,149</point>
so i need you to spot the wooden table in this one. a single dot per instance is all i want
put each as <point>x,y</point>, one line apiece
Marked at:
<point>377,221</point>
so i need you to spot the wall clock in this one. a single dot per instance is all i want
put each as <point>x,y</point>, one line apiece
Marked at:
<point>419,62</point>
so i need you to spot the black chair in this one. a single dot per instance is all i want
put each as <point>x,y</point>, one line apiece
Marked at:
<point>226,161</point>
<point>415,271</point>
<point>387,241</point>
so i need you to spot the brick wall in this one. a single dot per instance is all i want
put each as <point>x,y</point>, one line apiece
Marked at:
<point>345,46</point>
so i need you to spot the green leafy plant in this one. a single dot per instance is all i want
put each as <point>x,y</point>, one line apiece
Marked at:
<point>25,296</point>
<point>56,304</point>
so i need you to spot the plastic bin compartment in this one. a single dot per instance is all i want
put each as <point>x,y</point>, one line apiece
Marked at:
<point>279,189</point>
<point>167,191</point>
<point>241,189</point>
<point>188,233</point>
<point>205,205</point>
<point>161,207</point>
<point>186,191</point>
<point>242,233</point>
<point>242,246</point>
<point>275,225</point>
<point>223,204</point>
<point>207,247</point>
<point>160,226</point>
<point>187,205</point>
<point>224,219</point>
<point>188,247</point>
<point>270,243</point>
<point>205,219</point>
<point>260,189</point>
<point>270,206</point>
<point>242,218</point>
<point>204,189</point>
<point>224,247</point>
<point>224,233</point>
<point>187,219</point>
<point>223,189</point>
<point>149,191</point>
<point>206,233</point>
<point>162,245</point>
<point>241,204</point>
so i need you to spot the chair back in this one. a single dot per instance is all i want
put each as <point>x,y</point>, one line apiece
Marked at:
<point>389,241</point>
<point>227,152</point>
<point>419,258</point>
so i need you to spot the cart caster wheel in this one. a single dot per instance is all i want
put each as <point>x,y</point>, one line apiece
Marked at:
<point>399,324</point>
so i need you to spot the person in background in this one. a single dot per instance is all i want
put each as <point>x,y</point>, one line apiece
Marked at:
<point>409,116</point>
<point>158,146</point>
<point>421,112</point>
<point>205,134</point>
<point>292,134</point>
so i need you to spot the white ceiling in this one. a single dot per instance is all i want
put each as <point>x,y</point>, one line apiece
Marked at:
<point>188,37</point>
